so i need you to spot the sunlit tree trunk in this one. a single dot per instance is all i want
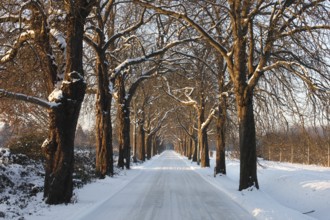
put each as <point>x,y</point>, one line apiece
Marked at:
<point>59,147</point>
<point>202,135</point>
<point>104,161</point>
<point>103,126</point>
<point>134,134</point>
<point>244,104</point>
<point>220,151</point>
<point>123,114</point>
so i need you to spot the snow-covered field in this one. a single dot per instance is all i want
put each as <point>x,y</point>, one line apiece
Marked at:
<point>287,191</point>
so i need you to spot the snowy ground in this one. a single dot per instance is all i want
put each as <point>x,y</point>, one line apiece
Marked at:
<point>287,191</point>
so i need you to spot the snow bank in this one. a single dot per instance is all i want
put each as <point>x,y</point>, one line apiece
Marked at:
<point>20,184</point>
<point>89,197</point>
<point>287,191</point>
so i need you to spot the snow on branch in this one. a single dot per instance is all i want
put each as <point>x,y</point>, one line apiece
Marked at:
<point>127,30</point>
<point>59,37</point>
<point>160,122</point>
<point>129,62</point>
<point>11,53</point>
<point>206,123</point>
<point>191,135</point>
<point>125,44</point>
<point>26,98</point>
<point>188,92</point>
<point>56,95</point>
<point>146,75</point>
<point>88,39</point>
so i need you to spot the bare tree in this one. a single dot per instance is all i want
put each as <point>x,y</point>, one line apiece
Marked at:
<point>199,105</point>
<point>264,36</point>
<point>65,100</point>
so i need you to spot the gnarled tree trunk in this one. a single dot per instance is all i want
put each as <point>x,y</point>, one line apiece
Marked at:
<point>104,152</point>
<point>59,147</point>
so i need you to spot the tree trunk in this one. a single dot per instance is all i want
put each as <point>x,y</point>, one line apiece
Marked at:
<point>202,135</point>
<point>181,147</point>
<point>148,145</point>
<point>134,136</point>
<point>185,145</point>
<point>123,125</point>
<point>194,158</point>
<point>190,146</point>
<point>59,147</point>
<point>244,104</point>
<point>104,161</point>
<point>204,148</point>
<point>58,150</point>
<point>221,144</point>
<point>141,153</point>
<point>247,142</point>
<point>154,145</point>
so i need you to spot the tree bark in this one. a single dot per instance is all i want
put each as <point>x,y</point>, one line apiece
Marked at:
<point>244,104</point>
<point>189,150</point>
<point>221,144</point>
<point>204,148</point>
<point>104,152</point>
<point>59,147</point>
<point>247,142</point>
<point>185,150</point>
<point>141,148</point>
<point>123,115</point>
<point>134,136</point>
<point>154,145</point>
<point>194,157</point>
<point>202,135</point>
<point>148,146</point>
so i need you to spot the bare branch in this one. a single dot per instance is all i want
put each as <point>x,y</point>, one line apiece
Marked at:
<point>190,101</point>
<point>207,122</point>
<point>146,57</point>
<point>11,53</point>
<point>223,51</point>
<point>26,98</point>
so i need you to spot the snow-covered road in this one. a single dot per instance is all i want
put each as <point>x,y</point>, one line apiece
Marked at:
<point>167,190</point>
